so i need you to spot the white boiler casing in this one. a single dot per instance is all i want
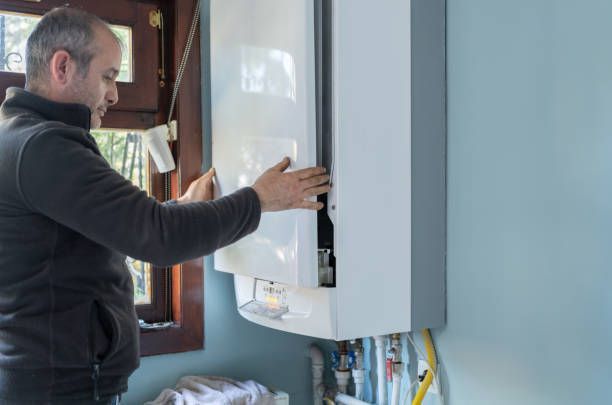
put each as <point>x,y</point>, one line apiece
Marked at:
<point>383,125</point>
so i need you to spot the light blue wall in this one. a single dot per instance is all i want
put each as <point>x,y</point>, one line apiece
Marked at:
<point>529,203</point>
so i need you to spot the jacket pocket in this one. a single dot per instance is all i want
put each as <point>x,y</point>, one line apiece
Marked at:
<point>69,337</point>
<point>103,333</point>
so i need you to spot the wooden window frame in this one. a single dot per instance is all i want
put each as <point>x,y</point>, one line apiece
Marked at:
<point>186,280</point>
<point>141,95</point>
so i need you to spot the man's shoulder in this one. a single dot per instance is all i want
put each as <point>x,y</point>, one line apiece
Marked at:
<point>19,130</point>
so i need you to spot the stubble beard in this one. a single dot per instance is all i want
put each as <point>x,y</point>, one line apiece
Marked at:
<point>80,94</point>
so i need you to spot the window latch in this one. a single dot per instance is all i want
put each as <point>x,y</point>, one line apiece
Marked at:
<point>156,20</point>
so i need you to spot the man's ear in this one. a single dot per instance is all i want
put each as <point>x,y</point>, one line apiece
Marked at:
<point>62,67</point>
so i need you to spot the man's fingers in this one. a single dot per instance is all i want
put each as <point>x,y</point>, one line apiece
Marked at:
<point>309,172</point>
<point>282,165</point>
<point>209,174</point>
<point>309,205</point>
<point>315,181</point>
<point>317,190</point>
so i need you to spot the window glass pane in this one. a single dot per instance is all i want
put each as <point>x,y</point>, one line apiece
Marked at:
<point>14,32</point>
<point>16,27</point>
<point>125,36</point>
<point>124,151</point>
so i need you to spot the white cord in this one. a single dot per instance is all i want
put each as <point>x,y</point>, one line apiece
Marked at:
<point>435,374</point>
<point>415,382</point>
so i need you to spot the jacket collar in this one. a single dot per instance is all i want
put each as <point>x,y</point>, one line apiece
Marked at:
<point>17,100</point>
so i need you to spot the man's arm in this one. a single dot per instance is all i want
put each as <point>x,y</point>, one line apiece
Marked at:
<point>61,177</point>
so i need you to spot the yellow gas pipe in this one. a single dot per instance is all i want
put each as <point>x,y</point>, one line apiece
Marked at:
<point>431,359</point>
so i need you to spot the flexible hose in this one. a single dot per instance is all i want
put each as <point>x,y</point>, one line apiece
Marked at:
<point>381,371</point>
<point>395,394</point>
<point>431,359</point>
<point>181,69</point>
<point>348,400</point>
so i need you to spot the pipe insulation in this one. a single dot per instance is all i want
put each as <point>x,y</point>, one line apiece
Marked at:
<point>381,370</point>
<point>318,366</point>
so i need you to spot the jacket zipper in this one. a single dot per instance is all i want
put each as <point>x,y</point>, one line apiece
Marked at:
<point>95,365</point>
<point>94,376</point>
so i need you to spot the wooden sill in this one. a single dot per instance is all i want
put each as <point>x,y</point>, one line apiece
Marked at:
<point>188,333</point>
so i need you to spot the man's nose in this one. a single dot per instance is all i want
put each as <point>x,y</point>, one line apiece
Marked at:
<point>112,96</point>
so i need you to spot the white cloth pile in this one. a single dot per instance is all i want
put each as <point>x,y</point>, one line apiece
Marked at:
<point>199,390</point>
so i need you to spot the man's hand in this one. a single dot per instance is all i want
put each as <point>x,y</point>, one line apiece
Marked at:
<point>200,189</point>
<point>279,191</point>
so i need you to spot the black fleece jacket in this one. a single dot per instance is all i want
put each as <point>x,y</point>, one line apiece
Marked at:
<point>67,221</point>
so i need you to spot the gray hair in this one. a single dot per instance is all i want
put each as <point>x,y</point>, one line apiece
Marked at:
<point>62,28</point>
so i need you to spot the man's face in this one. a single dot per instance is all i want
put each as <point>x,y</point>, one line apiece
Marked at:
<point>98,89</point>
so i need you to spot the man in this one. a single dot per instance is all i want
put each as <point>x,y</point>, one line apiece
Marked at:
<point>68,328</point>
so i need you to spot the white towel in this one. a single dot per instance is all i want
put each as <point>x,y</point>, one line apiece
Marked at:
<point>199,390</point>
